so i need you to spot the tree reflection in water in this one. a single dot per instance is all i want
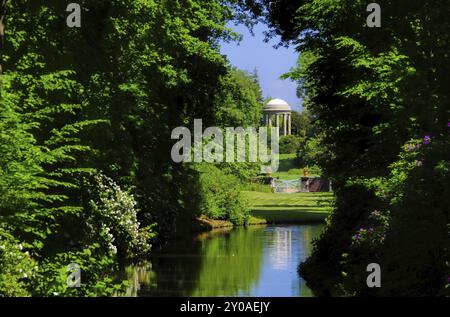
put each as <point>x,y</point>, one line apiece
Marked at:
<point>254,261</point>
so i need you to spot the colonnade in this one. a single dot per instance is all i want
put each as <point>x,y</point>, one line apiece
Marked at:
<point>273,119</point>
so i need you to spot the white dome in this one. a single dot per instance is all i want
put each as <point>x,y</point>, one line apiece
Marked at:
<point>277,105</point>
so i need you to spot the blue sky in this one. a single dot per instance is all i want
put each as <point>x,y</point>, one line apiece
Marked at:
<point>271,63</point>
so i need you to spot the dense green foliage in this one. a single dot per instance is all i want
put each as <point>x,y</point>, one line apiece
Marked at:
<point>380,102</point>
<point>310,152</point>
<point>289,144</point>
<point>239,100</point>
<point>221,196</point>
<point>302,123</point>
<point>86,117</point>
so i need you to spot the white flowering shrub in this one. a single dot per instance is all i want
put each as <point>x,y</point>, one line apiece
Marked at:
<point>16,268</point>
<point>113,218</point>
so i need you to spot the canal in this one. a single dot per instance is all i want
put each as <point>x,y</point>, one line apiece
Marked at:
<point>254,261</point>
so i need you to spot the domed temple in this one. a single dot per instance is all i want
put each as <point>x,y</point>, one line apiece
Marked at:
<point>276,110</point>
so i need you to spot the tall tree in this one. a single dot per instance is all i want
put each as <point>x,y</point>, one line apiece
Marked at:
<point>375,92</point>
<point>89,113</point>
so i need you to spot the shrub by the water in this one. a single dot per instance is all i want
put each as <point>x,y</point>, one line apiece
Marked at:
<point>221,196</point>
<point>113,216</point>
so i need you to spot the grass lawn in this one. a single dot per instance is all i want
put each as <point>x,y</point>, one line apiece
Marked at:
<point>282,208</point>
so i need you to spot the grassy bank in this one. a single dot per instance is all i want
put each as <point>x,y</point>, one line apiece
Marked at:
<point>283,208</point>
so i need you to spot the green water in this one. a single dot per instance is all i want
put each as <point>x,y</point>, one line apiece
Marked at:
<point>255,261</point>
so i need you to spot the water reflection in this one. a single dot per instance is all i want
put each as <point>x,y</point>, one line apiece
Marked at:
<point>282,249</point>
<point>255,261</point>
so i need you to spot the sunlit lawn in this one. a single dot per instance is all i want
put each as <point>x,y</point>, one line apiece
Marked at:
<point>298,207</point>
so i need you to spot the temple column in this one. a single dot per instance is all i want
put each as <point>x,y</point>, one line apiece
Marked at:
<point>284,124</point>
<point>277,121</point>
<point>289,125</point>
